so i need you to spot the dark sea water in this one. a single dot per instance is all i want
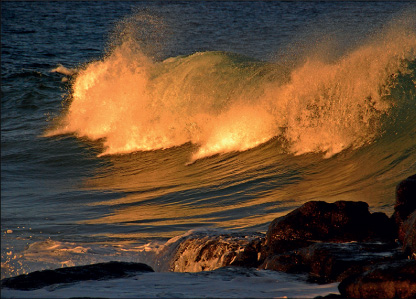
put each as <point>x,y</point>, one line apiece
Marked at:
<point>125,124</point>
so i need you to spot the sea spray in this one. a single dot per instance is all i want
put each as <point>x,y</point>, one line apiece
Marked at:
<point>224,102</point>
<point>332,106</point>
<point>103,208</point>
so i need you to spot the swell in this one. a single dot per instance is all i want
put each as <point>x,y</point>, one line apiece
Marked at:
<point>223,102</point>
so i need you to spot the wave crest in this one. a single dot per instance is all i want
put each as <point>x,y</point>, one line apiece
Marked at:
<point>226,102</point>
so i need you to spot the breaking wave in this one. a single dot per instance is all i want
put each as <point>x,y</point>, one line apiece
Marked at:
<point>223,102</point>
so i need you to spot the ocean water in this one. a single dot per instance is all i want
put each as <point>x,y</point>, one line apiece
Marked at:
<point>126,124</point>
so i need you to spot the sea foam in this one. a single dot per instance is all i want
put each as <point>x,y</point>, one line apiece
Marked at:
<point>224,102</point>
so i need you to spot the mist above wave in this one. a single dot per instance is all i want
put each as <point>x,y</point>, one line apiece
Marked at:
<point>225,102</point>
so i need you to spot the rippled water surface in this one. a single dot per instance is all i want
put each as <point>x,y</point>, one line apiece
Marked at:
<point>125,123</point>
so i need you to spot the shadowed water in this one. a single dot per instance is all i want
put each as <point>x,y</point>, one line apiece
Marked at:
<point>134,122</point>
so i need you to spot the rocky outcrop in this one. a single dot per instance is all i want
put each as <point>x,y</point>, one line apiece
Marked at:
<point>340,241</point>
<point>289,262</point>
<point>329,262</point>
<point>40,279</point>
<point>205,251</point>
<point>250,255</point>
<point>405,203</point>
<point>387,280</point>
<point>329,241</point>
<point>404,214</point>
<point>397,278</point>
<point>408,230</point>
<point>342,221</point>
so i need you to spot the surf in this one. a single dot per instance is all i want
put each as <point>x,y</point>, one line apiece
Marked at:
<point>225,102</point>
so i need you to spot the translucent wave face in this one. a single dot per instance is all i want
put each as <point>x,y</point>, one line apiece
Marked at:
<point>224,102</point>
<point>332,106</point>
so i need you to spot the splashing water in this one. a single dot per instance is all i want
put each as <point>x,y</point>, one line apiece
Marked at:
<point>225,102</point>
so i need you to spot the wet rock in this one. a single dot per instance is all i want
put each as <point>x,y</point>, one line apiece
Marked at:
<point>329,262</point>
<point>408,229</point>
<point>381,227</point>
<point>250,255</point>
<point>203,252</point>
<point>40,279</point>
<point>405,202</point>
<point>342,221</point>
<point>387,280</point>
<point>290,262</point>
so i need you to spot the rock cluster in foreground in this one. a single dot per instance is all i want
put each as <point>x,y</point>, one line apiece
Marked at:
<point>370,254</point>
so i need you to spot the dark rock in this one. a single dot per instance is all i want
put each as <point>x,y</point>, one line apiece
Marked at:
<point>205,251</point>
<point>328,262</point>
<point>291,262</point>
<point>381,227</point>
<point>283,246</point>
<point>408,229</point>
<point>387,280</point>
<point>40,279</point>
<point>250,255</point>
<point>405,202</point>
<point>342,221</point>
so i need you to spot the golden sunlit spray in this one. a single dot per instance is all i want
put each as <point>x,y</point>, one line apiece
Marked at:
<point>225,102</point>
